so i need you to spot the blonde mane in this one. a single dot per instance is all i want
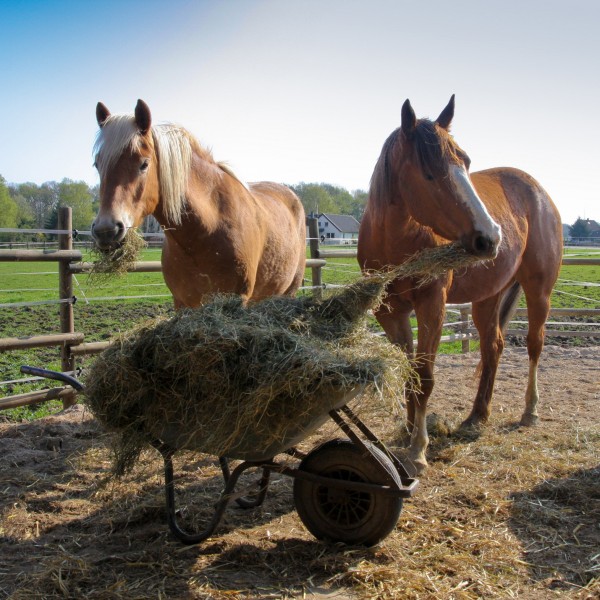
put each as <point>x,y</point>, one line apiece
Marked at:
<point>173,146</point>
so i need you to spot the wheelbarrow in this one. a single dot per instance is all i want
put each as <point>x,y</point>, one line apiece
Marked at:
<point>347,490</point>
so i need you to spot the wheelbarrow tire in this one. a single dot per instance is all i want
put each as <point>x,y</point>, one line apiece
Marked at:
<point>349,516</point>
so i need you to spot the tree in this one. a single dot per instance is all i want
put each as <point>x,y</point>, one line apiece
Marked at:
<point>326,198</point>
<point>580,228</point>
<point>25,216</point>
<point>79,197</point>
<point>42,200</point>
<point>8,207</point>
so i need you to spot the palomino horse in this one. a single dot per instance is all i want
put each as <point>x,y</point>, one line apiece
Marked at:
<point>220,236</point>
<point>422,195</point>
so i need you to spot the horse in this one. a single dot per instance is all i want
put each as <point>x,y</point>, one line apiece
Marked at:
<point>422,195</point>
<point>221,236</point>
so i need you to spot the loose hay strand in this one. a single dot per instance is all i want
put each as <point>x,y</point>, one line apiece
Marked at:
<point>431,263</point>
<point>116,261</point>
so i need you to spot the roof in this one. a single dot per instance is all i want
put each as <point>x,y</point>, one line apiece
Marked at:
<point>593,226</point>
<point>345,223</point>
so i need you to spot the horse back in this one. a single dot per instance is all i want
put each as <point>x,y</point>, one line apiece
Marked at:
<point>269,191</point>
<point>529,218</point>
<point>283,248</point>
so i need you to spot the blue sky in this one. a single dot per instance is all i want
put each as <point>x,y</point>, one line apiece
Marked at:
<point>308,90</point>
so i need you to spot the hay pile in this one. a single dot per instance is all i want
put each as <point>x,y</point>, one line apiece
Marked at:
<point>246,381</point>
<point>118,260</point>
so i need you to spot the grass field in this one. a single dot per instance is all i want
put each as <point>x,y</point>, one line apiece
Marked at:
<point>35,282</point>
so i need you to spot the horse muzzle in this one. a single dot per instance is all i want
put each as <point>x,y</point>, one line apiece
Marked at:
<point>108,236</point>
<point>483,245</point>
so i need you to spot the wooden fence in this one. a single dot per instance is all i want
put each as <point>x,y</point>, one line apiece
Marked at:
<point>72,343</point>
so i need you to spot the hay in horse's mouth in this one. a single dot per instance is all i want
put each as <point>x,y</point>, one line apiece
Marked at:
<point>431,263</point>
<point>117,260</point>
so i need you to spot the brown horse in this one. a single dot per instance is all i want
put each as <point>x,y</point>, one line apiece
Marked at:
<point>220,236</point>
<point>422,195</point>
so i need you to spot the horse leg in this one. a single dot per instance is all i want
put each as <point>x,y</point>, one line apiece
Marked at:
<point>430,318</point>
<point>394,316</point>
<point>485,317</point>
<point>538,307</point>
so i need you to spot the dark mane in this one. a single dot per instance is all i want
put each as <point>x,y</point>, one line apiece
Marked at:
<point>381,180</point>
<point>435,149</point>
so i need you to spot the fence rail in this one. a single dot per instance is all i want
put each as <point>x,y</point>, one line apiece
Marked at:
<point>72,344</point>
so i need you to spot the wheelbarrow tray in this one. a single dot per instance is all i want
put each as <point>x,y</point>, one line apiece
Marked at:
<point>251,445</point>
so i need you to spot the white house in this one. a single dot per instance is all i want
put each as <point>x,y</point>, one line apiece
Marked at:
<point>338,229</point>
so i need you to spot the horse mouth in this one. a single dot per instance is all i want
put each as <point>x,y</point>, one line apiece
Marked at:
<point>107,247</point>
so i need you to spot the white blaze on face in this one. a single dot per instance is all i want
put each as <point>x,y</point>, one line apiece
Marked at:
<point>127,220</point>
<point>482,221</point>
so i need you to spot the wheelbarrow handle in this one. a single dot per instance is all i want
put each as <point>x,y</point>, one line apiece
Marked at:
<point>52,375</point>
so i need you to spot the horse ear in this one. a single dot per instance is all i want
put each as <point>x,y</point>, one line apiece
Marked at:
<point>446,115</point>
<point>143,118</point>
<point>409,119</point>
<point>102,113</point>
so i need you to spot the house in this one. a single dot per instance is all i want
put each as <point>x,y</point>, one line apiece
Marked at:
<point>585,231</point>
<point>338,229</point>
<point>593,228</point>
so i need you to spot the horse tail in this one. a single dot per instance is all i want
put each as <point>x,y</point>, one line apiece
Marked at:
<point>508,306</point>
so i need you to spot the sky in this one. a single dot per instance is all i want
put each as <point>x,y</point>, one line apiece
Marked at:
<point>308,90</point>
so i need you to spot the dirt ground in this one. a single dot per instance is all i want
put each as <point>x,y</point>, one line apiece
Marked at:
<point>514,512</point>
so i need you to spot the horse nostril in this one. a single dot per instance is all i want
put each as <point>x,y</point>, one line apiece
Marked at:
<point>482,245</point>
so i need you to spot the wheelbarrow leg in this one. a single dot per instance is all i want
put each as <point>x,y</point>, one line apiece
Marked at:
<point>226,496</point>
<point>263,486</point>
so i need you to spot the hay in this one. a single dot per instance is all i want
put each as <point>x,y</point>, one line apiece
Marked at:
<point>225,379</point>
<point>431,263</point>
<point>248,381</point>
<point>116,261</point>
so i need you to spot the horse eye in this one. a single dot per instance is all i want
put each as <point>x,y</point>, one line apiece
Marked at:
<point>429,176</point>
<point>144,165</point>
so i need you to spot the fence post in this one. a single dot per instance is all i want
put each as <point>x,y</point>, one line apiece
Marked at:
<point>464,329</point>
<point>65,291</point>
<point>317,273</point>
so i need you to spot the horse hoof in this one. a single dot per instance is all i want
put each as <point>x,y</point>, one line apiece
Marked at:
<point>414,466</point>
<point>529,420</point>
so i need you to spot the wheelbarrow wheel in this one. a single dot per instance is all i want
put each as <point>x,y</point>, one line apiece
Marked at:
<point>347,515</point>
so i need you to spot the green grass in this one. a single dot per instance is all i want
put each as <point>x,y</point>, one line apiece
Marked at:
<point>34,282</point>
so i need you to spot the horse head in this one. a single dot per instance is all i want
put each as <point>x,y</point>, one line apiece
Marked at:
<point>126,161</point>
<point>433,181</point>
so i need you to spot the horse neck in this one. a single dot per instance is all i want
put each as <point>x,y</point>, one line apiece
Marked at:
<point>391,216</point>
<point>202,210</point>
